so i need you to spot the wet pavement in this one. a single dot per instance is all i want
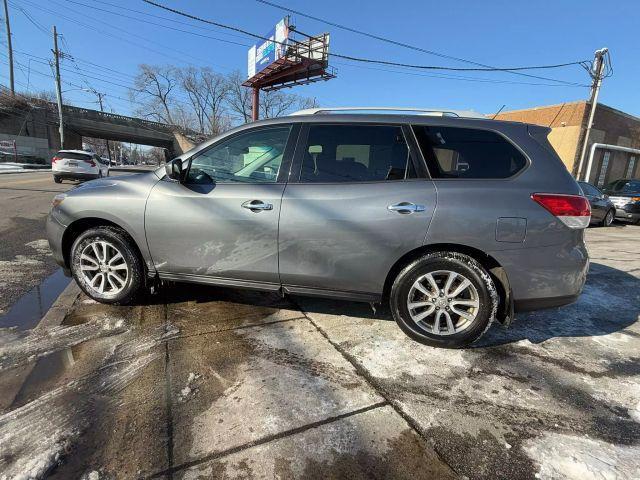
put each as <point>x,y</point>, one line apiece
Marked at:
<point>199,382</point>
<point>25,259</point>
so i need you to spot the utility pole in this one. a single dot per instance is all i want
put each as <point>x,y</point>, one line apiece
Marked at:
<point>100,95</point>
<point>10,50</point>
<point>596,75</point>
<point>56,55</point>
<point>255,104</point>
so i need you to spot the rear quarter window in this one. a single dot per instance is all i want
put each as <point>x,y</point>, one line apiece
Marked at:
<point>452,152</point>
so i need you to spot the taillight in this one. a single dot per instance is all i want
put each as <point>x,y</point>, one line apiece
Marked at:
<point>572,210</point>
<point>91,162</point>
<point>55,159</point>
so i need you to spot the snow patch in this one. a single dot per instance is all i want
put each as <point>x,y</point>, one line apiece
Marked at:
<point>41,246</point>
<point>565,456</point>
<point>191,387</point>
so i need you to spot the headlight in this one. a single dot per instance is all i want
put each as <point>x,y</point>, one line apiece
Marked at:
<point>58,199</point>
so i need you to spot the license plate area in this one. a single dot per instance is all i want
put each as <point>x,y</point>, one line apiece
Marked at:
<point>72,164</point>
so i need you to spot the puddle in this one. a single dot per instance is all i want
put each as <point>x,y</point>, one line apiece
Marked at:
<point>31,307</point>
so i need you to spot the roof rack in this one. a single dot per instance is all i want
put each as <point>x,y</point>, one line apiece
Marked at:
<point>435,112</point>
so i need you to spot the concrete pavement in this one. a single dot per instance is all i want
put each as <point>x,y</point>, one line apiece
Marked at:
<point>199,382</point>
<point>24,252</point>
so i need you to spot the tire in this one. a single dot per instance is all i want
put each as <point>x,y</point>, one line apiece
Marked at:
<point>607,220</point>
<point>57,179</point>
<point>115,283</point>
<point>480,295</point>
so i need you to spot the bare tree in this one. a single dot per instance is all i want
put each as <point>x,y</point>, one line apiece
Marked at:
<point>207,92</point>
<point>239,99</point>
<point>154,88</point>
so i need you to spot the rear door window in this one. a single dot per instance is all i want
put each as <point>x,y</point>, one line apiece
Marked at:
<point>452,152</point>
<point>355,153</point>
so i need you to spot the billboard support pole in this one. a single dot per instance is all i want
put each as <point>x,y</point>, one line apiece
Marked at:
<point>255,103</point>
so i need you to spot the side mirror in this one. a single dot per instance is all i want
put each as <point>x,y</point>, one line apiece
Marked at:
<point>174,170</point>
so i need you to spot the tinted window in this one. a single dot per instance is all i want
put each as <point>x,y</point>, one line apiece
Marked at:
<point>624,186</point>
<point>251,157</point>
<point>589,189</point>
<point>354,153</point>
<point>75,156</point>
<point>468,153</point>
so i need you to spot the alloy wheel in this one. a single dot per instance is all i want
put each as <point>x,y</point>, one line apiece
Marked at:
<point>443,302</point>
<point>103,268</point>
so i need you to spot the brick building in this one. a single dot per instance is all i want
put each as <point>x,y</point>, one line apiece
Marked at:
<point>568,123</point>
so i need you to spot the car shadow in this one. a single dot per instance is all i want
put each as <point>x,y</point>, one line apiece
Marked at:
<point>609,303</point>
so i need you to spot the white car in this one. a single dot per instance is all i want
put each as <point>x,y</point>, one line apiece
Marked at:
<point>78,165</point>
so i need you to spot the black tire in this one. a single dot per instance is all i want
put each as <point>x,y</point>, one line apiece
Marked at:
<point>461,264</point>
<point>125,245</point>
<point>607,220</point>
<point>57,179</point>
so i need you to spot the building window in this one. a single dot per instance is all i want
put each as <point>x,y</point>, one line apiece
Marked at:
<point>630,167</point>
<point>603,168</point>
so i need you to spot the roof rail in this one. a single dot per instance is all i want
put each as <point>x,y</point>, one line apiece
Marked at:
<point>436,112</point>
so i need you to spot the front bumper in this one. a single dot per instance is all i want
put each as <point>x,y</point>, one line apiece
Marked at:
<point>55,233</point>
<point>622,214</point>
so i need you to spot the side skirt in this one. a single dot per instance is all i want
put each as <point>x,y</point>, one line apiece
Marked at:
<point>272,287</point>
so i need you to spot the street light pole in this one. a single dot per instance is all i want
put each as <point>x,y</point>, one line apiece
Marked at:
<point>56,55</point>
<point>598,67</point>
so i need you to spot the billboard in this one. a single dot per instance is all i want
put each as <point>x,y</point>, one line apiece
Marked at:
<point>265,52</point>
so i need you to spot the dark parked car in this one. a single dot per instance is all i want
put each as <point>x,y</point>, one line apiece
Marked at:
<point>603,210</point>
<point>625,195</point>
<point>455,222</point>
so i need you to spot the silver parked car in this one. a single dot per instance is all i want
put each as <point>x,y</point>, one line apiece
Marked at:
<point>456,222</point>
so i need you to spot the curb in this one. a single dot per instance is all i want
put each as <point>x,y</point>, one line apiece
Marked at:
<point>54,317</point>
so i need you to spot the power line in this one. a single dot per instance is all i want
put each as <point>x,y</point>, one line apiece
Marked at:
<point>360,59</point>
<point>119,14</point>
<point>516,71</point>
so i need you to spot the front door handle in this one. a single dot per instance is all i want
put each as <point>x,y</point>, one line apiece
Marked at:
<point>257,205</point>
<point>405,208</point>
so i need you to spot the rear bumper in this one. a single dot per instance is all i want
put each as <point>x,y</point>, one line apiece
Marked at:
<point>75,176</point>
<point>542,303</point>
<point>545,277</point>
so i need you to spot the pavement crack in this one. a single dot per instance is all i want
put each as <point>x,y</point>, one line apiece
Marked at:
<point>168,401</point>
<point>377,387</point>
<point>269,438</point>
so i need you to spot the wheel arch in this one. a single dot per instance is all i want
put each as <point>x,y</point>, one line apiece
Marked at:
<point>76,228</point>
<point>499,275</point>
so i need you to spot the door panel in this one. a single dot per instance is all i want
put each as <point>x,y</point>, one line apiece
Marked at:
<point>194,231</point>
<point>344,237</point>
<point>222,222</point>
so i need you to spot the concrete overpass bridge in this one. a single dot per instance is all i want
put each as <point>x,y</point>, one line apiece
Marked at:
<point>85,122</point>
<point>34,127</point>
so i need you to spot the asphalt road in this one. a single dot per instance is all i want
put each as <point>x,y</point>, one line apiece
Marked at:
<point>198,382</point>
<point>25,199</point>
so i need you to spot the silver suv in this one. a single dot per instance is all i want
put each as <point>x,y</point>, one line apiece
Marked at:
<point>456,222</point>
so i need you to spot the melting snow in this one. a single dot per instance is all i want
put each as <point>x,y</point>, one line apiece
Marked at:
<point>580,458</point>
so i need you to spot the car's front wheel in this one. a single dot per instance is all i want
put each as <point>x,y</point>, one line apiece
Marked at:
<point>57,179</point>
<point>444,299</point>
<point>105,265</point>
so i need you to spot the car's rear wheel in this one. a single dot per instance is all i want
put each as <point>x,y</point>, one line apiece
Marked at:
<point>57,179</point>
<point>608,219</point>
<point>106,266</point>
<point>444,299</point>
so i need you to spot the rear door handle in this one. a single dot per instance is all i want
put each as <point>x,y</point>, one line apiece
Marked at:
<point>405,208</point>
<point>257,205</point>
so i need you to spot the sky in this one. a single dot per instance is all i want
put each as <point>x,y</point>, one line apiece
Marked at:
<point>108,43</point>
